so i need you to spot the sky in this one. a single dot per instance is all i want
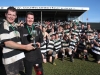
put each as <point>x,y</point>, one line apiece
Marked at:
<point>92,14</point>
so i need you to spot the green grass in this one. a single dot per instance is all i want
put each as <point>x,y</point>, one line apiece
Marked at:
<point>78,67</point>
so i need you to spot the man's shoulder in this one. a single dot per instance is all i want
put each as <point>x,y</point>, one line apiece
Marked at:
<point>20,29</point>
<point>1,25</point>
<point>2,29</point>
<point>38,29</point>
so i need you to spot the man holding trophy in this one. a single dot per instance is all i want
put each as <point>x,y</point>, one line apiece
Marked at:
<point>30,34</point>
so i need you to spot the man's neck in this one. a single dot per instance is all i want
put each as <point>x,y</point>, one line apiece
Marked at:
<point>29,25</point>
<point>11,23</point>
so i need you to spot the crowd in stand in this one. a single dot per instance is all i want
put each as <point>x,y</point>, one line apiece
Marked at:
<point>72,39</point>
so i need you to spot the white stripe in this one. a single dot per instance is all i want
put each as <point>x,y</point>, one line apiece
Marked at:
<point>43,51</point>
<point>58,47</point>
<point>98,48</point>
<point>96,51</point>
<point>19,42</point>
<point>75,33</point>
<point>51,42</point>
<point>64,48</point>
<point>49,49</point>
<point>72,47</point>
<point>6,50</point>
<point>65,44</point>
<point>50,46</point>
<point>5,36</point>
<point>13,34</point>
<point>67,33</point>
<point>43,46</point>
<point>58,43</point>
<point>13,58</point>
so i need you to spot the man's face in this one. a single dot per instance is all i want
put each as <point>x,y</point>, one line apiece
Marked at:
<point>75,27</point>
<point>30,19</point>
<point>52,24</point>
<point>88,26</point>
<point>56,36</point>
<point>44,29</point>
<point>82,26</point>
<point>11,16</point>
<point>52,30</point>
<point>53,37</point>
<point>68,26</point>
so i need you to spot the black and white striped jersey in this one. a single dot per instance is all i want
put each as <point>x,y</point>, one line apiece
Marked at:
<point>10,55</point>
<point>50,45</point>
<point>96,49</point>
<point>51,33</point>
<point>43,47</point>
<point>60,34</point>
<point>89,32</point>
<point>81,45</point>
<point>76,32</point>
<point>81,31</point>
<point>64,44</point>
<point>67,31</point>
<point>73,43</point>
<point>57,44</point>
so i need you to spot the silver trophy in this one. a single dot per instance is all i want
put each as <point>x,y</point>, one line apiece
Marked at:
<point>33,36</point>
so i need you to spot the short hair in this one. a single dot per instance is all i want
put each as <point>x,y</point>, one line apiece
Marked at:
<point>43,27</point>
<point>82,24</point>
<point>65,36</point>
<point>29,13</point>
<point>52,35</point>
<point>88,24</point>
<point>56,33</point>
<point>11,8</point>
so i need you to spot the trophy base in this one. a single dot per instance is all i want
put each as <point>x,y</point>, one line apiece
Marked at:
<point>35,45</point>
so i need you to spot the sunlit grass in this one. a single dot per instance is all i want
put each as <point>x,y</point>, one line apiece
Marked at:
<point>78,67</point>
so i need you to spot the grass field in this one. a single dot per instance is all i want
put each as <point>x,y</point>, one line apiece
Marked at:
<point>78,67</point>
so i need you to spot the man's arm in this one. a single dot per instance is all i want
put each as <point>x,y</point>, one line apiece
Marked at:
<point>96,43</point>
<point>40,38</point>
<point>6,41</point>
<point>14,45</point>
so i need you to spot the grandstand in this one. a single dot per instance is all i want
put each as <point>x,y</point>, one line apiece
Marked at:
<point>51,13</point>
<point>48,13</point>
<point>94,25</point>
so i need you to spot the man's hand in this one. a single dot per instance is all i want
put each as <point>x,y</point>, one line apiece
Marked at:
<point>29,47</point>
<point>38,44</point>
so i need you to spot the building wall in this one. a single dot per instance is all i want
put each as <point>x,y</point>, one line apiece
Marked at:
<point>94,25</point>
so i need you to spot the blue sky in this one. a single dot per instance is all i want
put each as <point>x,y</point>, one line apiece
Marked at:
<point>93,14</point>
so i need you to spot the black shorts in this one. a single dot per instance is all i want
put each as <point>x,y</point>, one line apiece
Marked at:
<point>29,66</point>
<point>79,51</point>
<point>45,55</point>
<point>97,57</point>
<point>14,68</point>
